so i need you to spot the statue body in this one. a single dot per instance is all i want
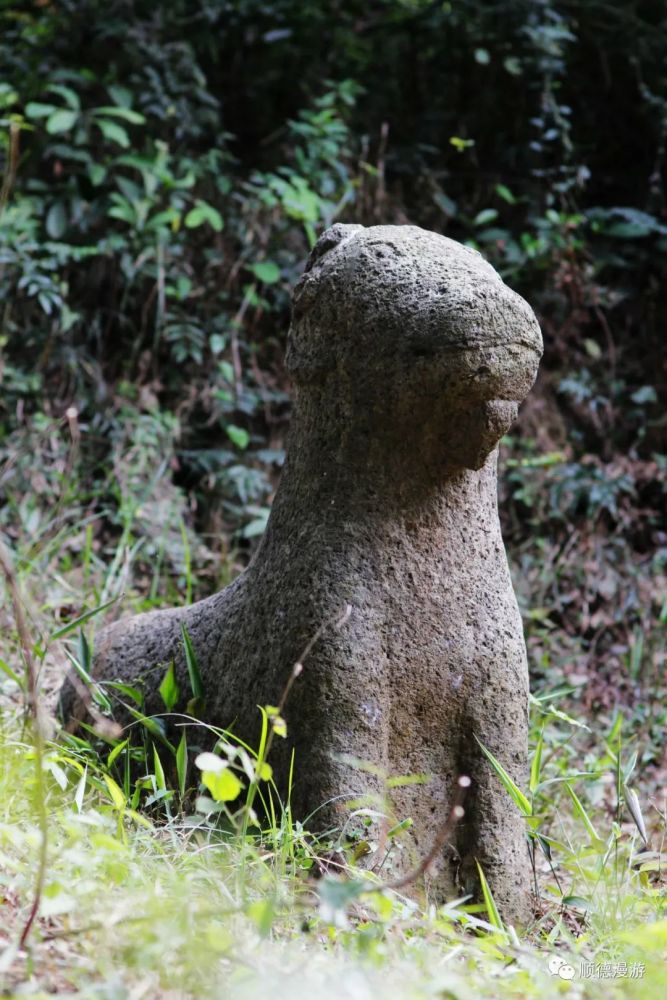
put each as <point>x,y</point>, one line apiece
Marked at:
<point>409,358</point>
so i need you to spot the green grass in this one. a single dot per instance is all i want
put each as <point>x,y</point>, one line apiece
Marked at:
<point>159,883</point>
<point>182,910</point>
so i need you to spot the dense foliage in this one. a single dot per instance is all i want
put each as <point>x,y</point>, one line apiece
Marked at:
<point>166,167</point>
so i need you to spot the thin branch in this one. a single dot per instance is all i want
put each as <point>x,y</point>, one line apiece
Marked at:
<point>335,621</point>
<point>456,813</point>
<point>234,328</point>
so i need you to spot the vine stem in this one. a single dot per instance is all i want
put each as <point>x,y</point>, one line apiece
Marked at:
<point>456,813</point>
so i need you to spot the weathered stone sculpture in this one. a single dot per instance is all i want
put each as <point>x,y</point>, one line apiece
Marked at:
<point>409,358</point>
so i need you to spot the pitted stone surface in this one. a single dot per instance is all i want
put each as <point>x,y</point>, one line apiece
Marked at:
<point>409,358</point>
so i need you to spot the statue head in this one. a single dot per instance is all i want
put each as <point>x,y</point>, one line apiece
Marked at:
<point>419,332</point>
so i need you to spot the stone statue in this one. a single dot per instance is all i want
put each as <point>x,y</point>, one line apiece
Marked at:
<point>409,358</point>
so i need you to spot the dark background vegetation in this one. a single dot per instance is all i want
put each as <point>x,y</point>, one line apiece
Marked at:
<point>166,168</point>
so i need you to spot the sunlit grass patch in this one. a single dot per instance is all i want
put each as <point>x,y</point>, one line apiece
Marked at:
<point>181,909</point>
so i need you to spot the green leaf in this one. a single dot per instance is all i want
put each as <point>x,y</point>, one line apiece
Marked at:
<point>169,690</point>
<point>405,824</point>
<point>634,808</point>
<point>124,212</point>
<point>57,772</point>
<point>579,902</point>
<point>66,629</point>
<point>69,96</point>
<point>217,776</point>
<point>336,894</point>
<point>85,654</point>
<point>118,749</point>
<point>580,811</point>
<point>445,203</point>
<point>536,764</point>
<point>196,685</point>
<point>460,144</point>
<point>97,173</point>
<point>485,216</point>
<point>182,763</point>
<point>81,790</point>
<point>557,714</point>
<point>13,676</point>
<point>512,65</point>
<point>261,912</point>
<point>8,96</point>
<point>545,846</point>
<point>36,110</point>
<point>134,693</point>
<point>629,230</point>
<point>300,202</point>
<point>238,435</point>
<point>133,117</point>
<point>279,726</point>
<point>504,192</point>
<point>405,780</point>
<point>121,95</point>
<point>645,394</point>
<point>56,220</point>
<point>166,219</point>
<point>593,349</point>
<point>201,213</point>
<point>115,792</point>
<point>159,770</point>
<point>512,788</point>
<point>265,271</point>
<point>152,725</point>
<point>61,121</point>
<point>195,707</point>
<point>257,526</point>
<point>208,761</point>
<point>264,771</point>
<point>491,908</point>
<point>113,131</point>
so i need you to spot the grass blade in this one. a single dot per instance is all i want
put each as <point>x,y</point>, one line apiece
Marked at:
<point>196,684</point>
<point>117,750</point>
<point>182,763</point>
<point>11,674</point>
<point>511,787</point>
<point>115,792</point>
<point>536,765</point>
<point>159,771</point>
<point>168,689</point>
<point>81,790</point>
<point>66,629</point>
<point>632,802</point>
<point>580,811</point>
<point>153,726</point>
<point>187,559</point>
<point>490,903</point>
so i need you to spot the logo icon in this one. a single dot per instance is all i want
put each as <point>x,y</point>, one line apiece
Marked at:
<point>559,967</point>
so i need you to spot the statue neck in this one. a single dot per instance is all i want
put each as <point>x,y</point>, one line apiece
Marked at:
<point>342,478</point>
